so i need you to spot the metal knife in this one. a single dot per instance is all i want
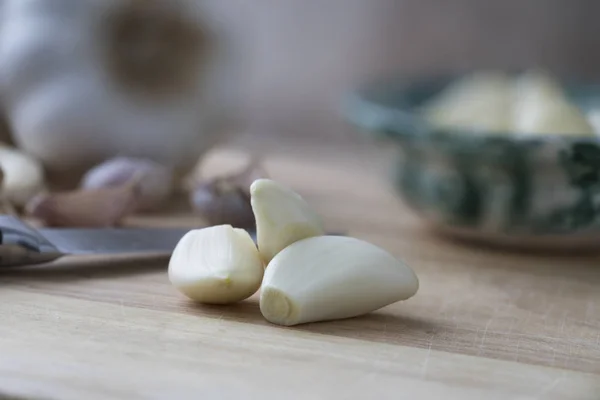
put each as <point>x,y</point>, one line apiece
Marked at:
<point>21,244</point>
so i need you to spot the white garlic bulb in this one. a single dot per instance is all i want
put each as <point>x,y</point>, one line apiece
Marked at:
<point>83,81</point>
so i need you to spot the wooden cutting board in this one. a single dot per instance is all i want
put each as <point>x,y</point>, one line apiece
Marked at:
<point>485,324</point>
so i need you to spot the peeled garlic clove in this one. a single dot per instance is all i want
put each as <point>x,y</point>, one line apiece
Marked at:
<point>282,217</point>
<point>478,101</point>
<point>332,277</point>
<point>537,84</point>
<point>156,182</point>
<point>216,265</point>
<point>23,176</point>
<point>593,117</point>
<point>552,118</point>
<point>84,208</point>
<point>543,108</point>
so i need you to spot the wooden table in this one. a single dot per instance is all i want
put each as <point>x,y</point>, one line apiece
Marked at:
<point>484,325</point>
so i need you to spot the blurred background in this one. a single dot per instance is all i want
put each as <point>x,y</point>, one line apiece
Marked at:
<point>84,82</point>
<point>301,57</point>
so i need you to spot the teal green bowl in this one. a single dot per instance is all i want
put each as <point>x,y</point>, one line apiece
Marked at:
<point>530,190</point>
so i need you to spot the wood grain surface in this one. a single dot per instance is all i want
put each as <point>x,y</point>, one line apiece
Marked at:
<point>485,324</point>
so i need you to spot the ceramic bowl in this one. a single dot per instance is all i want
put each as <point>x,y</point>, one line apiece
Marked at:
<point>522,190</point>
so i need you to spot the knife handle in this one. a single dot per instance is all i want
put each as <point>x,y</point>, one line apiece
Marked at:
<point>21,244</point>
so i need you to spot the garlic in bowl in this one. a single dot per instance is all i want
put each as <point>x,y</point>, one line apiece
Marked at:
<point>527,176</point>
<point>526,104</point>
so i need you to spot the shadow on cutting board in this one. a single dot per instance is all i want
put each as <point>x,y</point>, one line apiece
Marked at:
<point>377,326</point>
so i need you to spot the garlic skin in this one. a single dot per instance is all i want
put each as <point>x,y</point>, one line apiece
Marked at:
<point>24,176</point>
<point>156,182</point>
<point>282,217</point>
<point>94,208</point>
<point>216,265</point>
<point>75,96</point>
<point>226,199</point>
<point>332,277</point>
<point>223,204</point>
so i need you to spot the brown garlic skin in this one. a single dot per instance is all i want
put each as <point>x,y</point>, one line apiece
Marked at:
<point>75,94</point>
<point>98,208</point>
<point>220,203</point>
<point>226,200</point>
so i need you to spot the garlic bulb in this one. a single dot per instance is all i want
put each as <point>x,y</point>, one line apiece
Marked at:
<point>155,181</point>
<point>83,81</point>
<point>332,277</point>
<point>530,103</point>
<point>216,265</point>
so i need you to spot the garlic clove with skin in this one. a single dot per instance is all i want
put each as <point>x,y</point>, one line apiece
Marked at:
<point>332,277</point>
<point>220,203</point>
<point>85,208</point>
<point>216,265</point>
<point>156,182</point>
<point>282,217</point>
<point>226,199</point>
<point>24,176</point>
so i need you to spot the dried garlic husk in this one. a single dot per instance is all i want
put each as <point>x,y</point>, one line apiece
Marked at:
<point>226,199</point>
<point>85,208</point>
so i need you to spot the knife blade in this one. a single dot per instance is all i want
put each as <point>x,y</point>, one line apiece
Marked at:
<point>113,240</point>
<point>22,244</point>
